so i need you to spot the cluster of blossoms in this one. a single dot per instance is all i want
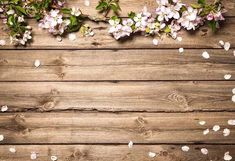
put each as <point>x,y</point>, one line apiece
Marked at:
<point>169,18</point>
<point>21,32</point>
<point>53,21</point>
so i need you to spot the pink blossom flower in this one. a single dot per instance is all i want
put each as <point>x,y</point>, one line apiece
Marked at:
<point>190,19</point>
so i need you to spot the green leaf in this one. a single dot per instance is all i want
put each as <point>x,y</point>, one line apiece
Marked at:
<point>167,29</point>
<point>11,20</point>
<point>131,14</point>
<point>66,10</point>
<point>196,6</point>
<point>203,2</point>
<point>102,5</point>
<point>21,9</point>
<point>212,25</point>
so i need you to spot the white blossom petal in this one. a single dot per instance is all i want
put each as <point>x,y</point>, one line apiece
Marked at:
<point>233,98</point>
<point>2,42</point>
<point>233,52</point>
<point>204,151</point>
<point>12,149</point>
<point>233,90</point>
<point>205,55</point>
<point>216,128</point>
<point>152,154</point>
<point>227,46</point>
<point>4,108</point>
<point>54,158</point>
<point>155,42</point>
<point>221,42</point>
<point>226,132</point>
<point>227,157</point>
<point>202,122</point>
<point>227,76</point>
<point>181,50</point>
<point>179,39</point>
<point>130,144</point>
<point>1,137</point>
<point>231,122</point>
<point>33,155</point>
<point>87,3</point>
<point>37,63</point>
<point>205,132</point>
<point>59,38</point>
<point>72,37</point>
<point>185,148</point>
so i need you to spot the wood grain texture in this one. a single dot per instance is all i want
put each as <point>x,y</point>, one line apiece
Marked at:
<point>28,128</point>
<point>203,38</point>
<point>115,153</point>
<point>95,65</point>
<point>137,6</point>
<point>120,96</point>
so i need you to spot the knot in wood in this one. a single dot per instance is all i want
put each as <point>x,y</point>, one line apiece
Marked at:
<point>179,99</point>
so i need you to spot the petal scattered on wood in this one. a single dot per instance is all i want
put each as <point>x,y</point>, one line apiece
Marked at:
<point>4,108</point>
<point>37,63</point>
<point>227,76</point>
<point>226,132</point>
<point>205,132</point>
<point>152,154</point>
<point>54,158</point>
<point>233,98</point>
<point>130,145</point>
<point>221,42</point>
<point>2,42</point>
<point>227,157</point>
<point>202,122</point>
<point>205,55</point>
<point>59,38</point>
<point>204,151</point>
<point>87,3</point>
<point>231,122</point>
<point>179,39</point>
<point>185,148</point>
<point>216,128</point>
<point>12,150</point>
<point>33,155</point>
<point>233,91</point>
<point>155,42</point>
<point>72,37</point>
<point>181,50</point>
<point>1,137</point>
<point>227,46</point>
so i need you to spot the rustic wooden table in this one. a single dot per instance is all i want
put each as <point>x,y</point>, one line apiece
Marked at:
<point>90,97</point>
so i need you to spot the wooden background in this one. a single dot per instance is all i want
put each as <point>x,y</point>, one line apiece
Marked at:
<point>90,97</point>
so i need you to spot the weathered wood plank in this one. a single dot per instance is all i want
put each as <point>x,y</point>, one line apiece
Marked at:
<point>116,153</point>
<point>114,128</point>
<point>137,6</point>
<point>122,96</point>
<point>204,38</point>
<point>78,65</point>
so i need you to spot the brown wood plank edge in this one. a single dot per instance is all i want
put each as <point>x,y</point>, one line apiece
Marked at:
<point>117,153</point>
<point>203,38</point>
<point>107,128</point>
<point>120,65</point>
<point>177,96</point>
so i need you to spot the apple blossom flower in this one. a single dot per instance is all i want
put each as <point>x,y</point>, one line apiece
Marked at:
<point>76,12</point>
<point>190,19</point>
<point>21,19</point>
<point>54,22</point>
<point>10,12</point>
